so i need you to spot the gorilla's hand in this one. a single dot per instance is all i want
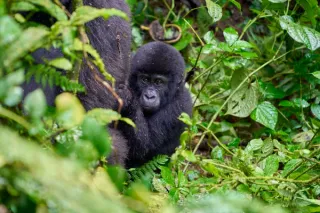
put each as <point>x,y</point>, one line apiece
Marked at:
<point>126,95</point>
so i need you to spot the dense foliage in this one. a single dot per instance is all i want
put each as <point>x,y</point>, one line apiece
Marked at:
<point>252,144</point>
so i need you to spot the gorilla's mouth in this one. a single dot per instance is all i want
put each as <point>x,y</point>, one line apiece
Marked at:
<point>150,105</point>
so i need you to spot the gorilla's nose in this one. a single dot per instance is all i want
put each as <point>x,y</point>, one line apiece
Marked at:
<point>149,96</point>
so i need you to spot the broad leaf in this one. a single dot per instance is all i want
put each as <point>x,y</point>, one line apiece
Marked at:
<point>69,109</point>
<point>29,40</point>
<point>315,109</point>
<point>302,34</point>
<point>35,104</point>
<point>245,100</point>
<point>214,10</point>
<point>303,137</point>
<point>9,30</point>
<point>266,114</point>
<point>316,74</point>
<point>230,35</point>
<point>272,165</point>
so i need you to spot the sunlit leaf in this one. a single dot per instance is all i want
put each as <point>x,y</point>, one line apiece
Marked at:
<point>61,63</point>
<point>70,110</point>
<point>35,104</point>
<point>272,165</point>
<point>97,135</point>
<point>316,74</point>
<point>53,9</point>
<point>85,14</point>
<point>245,100</point>
<point>302,34</point>
<point>303,137</point>
<point>266,114</point>
<point>230,35</point>
<point>315,109</point>
<point>28,40</point>
<point>277,1</point>
<point>254,145</point>
<point>104,116</point>
<point>9,30</point>
<point>214,10</point>
<point>167,175</point>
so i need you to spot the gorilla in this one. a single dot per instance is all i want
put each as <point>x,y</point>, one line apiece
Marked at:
<point>158,97</point>
<point>153,89</point>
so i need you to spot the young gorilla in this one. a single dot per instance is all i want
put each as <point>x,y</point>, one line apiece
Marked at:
<point>112,39</point>
<point>157,100</point>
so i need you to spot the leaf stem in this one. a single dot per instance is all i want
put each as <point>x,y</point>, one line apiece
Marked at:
<point>13,116</point>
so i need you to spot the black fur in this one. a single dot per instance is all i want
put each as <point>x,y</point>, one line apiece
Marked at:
<point>157,132</point>
<point>112,39</point>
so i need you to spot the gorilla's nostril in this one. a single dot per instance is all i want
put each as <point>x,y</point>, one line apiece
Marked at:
<point>150,97</point>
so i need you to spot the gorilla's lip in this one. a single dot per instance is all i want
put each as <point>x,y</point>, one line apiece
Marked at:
<point>149,108</point>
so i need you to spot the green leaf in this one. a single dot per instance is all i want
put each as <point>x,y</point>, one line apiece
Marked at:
<point>272,165</point>
<point>266,114</point>
<point>97,134</point>
<point>209,38</point>
<point>316,74</point>
<point>79,46</point>
<point>315,109</point>
<point>9,30</point>
<point>35,104</point>
<point>209,166</point>
<point>69,109</point>
<point>214,10</point>
<point>128,121</point>
<point>277,1</point>
<point>268,90</point>
<point>303,137</point>
<point>136,36</point>
<point>289,166</point>
<point>167,175</point>
<point>104,116</point>
<point>302,34</point>
<point>183,42</point>
<point>267,148</point>
<point>241,45</point>
<point>230,35</point>
<point>28,40</point>
<point>245,99</point>
<point>85,14</point>
<point>182,180</point>
<point>23,6</point>
<point>51,8</point>
<point>13,96</point>
<point>254,145</point>
<point>61,63</point>
<point>300,103</point>
<point>185,118</point>
<point>235,3</point>
<point>188,155</point>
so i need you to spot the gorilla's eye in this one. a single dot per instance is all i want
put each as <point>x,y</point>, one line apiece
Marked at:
<point>158,81</point>
<point>144,79</point>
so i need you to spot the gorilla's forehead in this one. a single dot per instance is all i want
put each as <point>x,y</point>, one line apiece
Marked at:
<point>158,57</point>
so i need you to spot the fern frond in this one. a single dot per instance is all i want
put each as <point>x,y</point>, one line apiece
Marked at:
<point>148,169</point>
<point>50,76</point>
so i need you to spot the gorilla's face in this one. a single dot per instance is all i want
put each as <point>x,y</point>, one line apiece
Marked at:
<point>153,88</point>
